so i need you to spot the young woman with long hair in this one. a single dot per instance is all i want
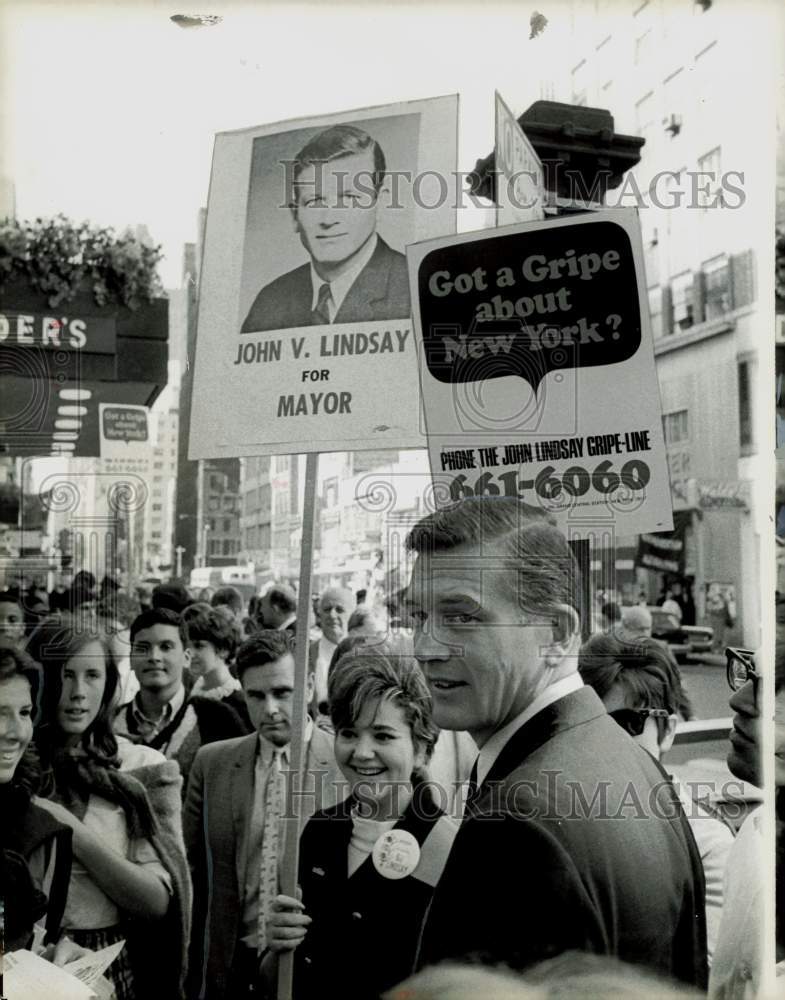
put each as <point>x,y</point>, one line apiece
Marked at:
<point>121,801</point>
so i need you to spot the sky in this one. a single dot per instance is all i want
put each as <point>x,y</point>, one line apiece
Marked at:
<point>108,111</point>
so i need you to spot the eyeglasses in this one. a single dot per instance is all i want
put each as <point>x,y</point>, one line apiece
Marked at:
<point>740,667</point>
<point>633,720</point>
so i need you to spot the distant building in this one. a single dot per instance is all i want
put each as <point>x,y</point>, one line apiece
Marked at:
<point>662,70</point>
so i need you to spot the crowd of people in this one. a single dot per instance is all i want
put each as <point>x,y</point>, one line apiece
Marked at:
<point>483,807</point>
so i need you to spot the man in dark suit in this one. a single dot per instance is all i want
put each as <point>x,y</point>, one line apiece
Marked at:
<point>353,276</point>
<point>224,819</point>
<point>572,838</point>
<point>277,608</point>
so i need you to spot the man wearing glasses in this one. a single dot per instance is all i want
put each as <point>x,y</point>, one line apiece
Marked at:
<point>642,691</point>
<point>737,967</point>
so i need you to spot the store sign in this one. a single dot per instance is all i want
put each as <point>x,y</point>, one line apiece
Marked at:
<point>89,334</point>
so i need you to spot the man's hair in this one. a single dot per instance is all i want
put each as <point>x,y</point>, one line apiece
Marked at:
<point>636,618</point>
<point>343,594</point>
<point>158,616</point>
<point>611,612</point>
<point>283,598</point>
<point>229,596</point>
<point>11,597</point>
<point>210,625</point>
<point>382,672</point>
<point>547,574</point>
<point>363,616</point>
<point>641,668</point>
<point>172,595</point>
<point>265,646</point>
<point>333,143</point>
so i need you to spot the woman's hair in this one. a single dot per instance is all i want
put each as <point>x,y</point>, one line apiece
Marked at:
<point>211,625</point>
<point>16,663</point>
<point>643,670</point>
<point>92,766</point>
<point>56,644</point>
<point>382,671</point>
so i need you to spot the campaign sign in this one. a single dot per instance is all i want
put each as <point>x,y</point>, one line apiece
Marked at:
<point>520,183</point>
<point>126,446</point>
<point>537,370</point>
<point>304,339</point>
<point>124,423</point>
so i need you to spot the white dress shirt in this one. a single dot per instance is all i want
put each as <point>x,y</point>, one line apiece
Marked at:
<point>490,752</point>
<point>339,287</point>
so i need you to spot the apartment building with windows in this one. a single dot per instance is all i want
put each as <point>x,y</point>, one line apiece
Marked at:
<point>704,191</point>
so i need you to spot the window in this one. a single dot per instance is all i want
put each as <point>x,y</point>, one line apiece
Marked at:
<point>156,506</point>
<point>708,182</point>
<point>655,311</point>
<point>644,117</point>
<point>227,524</point>
<point>716,276</point>
<point>643,47</point>
<point>675,427</point>
<point>681,298</point>
<point>158,465</point>
<point>745,405</point>
<point>674,102</point>
<point>579,92</point>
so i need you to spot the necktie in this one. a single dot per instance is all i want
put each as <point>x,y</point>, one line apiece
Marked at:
<point>322,310</point>
<point>268,876</point>
<point>472,788</point>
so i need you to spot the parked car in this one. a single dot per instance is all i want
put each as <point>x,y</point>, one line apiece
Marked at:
<point>698,760</point>
<point>683,640</point>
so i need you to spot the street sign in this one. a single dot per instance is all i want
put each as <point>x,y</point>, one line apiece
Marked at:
<point>519,176</point>
<point>297,211</point>
<point>537,371</point>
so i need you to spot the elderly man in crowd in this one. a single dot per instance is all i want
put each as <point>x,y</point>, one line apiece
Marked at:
<point>335,606</point>
<point>636,623</point>
<point>571,839</point>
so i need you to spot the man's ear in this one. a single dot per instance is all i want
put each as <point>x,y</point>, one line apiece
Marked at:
<point>670,732</point>
<point>187,654</point>
<point>310,686</point>
<point>295,221</point>
<point>566,628</point>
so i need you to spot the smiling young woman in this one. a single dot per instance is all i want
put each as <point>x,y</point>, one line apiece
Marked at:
<point>368,865</point>
<point>118,800</point>
<point>33,843</point>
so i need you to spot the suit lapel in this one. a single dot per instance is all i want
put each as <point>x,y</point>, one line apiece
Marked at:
<point>328,783</point>
<point>571,710</point>
<point>243,793</point>
<point>370,285</point>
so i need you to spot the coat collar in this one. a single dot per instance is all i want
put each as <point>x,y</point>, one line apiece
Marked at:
<point>572,710</point>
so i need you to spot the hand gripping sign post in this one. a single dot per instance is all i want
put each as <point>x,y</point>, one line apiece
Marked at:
<point>304,338</point>
<point>537,371</point>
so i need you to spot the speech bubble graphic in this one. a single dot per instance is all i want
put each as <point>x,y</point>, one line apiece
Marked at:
<point>530,303</point>
<point>122,423</point>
